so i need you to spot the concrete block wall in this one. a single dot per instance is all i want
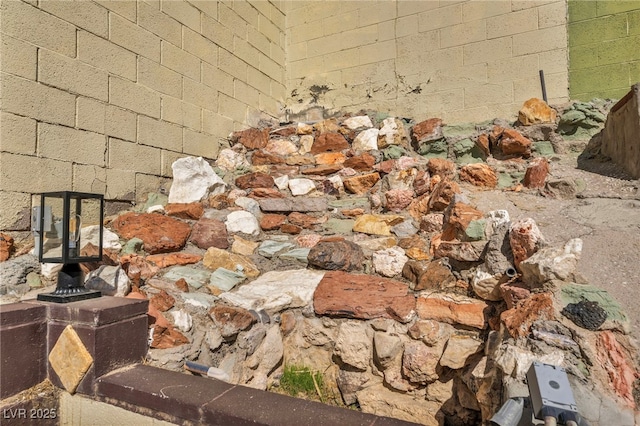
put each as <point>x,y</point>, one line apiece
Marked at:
<point>458,60</point>
<point>102,96</point>
<point>604,48</point>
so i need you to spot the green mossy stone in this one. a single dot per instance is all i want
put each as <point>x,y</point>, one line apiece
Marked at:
<point>543,149</point>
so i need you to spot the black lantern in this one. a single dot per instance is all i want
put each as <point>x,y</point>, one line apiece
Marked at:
<point>57,225</point>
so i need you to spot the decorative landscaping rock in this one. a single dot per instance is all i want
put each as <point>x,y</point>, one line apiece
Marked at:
<point>193,179</point>
<point>160,234</point>
<point>363,297</point>
<point>336,255</point>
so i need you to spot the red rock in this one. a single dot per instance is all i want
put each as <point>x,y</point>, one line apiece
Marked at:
<point>183,285</point>
<point>442,194</point>
<point>254,180</point>
<point>165,336</point>
<point>137,267</point>
<point>363,297</point>
<point>427,130</point>
<point>386,166</point>
<point>284,132</point>
<point>432,222</point>
<point>452,310</point>
<point>252,138</point>
<point>422,183</point>
<point>336,255</point>
<point>231,320</point>
<point>6,246</point>
<point>325,170</point>
<point>330,158</point>
<point>535,111</point>
<point>362,163</point>
<point>436,276</point>
<point>415,247</point>
<point>308,240</point>
<point>303,220</point>
<point>513,295</point>
<point>257,193</point>
<point>170,259</point>
<point>479,174</point>
<point>536,173</point>
<point>513,143</point>
<point>219,201</point>
<point>291,229</point>
<point>260,158</point>
<point>185,210</point>
<point>518,320</point>
<point>441,166</point>
<point>495,135</point>
<point>618,365</point>
<point>162,301</point>
<point>419,207</point>
<point>329,142</point>
<point>462,251</point>
<point>525,239</point>
<point>456,220</point>
<point>361,184</point>
<point>160,234</point>
<point>209,233</point>
<point>398,199</point>
<point>483,143</point>
<point>270,221</point>
<point>278,170</point>
<point>109,257</point>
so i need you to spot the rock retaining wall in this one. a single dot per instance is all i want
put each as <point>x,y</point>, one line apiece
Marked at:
<point>336,246</point>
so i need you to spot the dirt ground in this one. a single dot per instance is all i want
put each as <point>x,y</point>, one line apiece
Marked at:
<point>605,215</point>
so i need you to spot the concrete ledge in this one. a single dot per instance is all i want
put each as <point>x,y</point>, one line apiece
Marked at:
<point>181,398</point>
<point>23,349</point>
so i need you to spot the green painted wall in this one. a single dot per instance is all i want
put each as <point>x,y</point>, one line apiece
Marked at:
<point>604,48</point>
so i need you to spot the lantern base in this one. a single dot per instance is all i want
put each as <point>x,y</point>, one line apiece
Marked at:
<point>70,286</point>
<point>70,297</point>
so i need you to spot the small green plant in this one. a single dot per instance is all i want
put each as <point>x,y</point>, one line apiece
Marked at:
<point>302,383</point>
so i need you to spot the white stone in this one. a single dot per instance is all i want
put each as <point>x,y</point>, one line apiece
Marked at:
<point>158,208</point>
<point>249,204</point>
<point>358,122</point>
<point>110,280</point>
<point>228,159</point>
<point>275,291</point>
<point>389,262</point>
<point>194,179</point>
<point>552,263</point>
<point>50,270</point>
<point>388,132</point>
<point>244,222</point>
<point>91,234</point>
<point>354,344</point>
<point>336,182</point>
<point>366,140</point>
<point>486,285</point>
<point>301,186</point>
<point>495,219</point>
<point>282,182</point>
<point>515,361</point>
<point>182,320</point>
<point>306,142</point>
<point>269,354</point>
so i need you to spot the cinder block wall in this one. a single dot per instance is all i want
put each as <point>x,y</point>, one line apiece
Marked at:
<point>103,96</point>
<point>459,60</point>
<point>604,48</point>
